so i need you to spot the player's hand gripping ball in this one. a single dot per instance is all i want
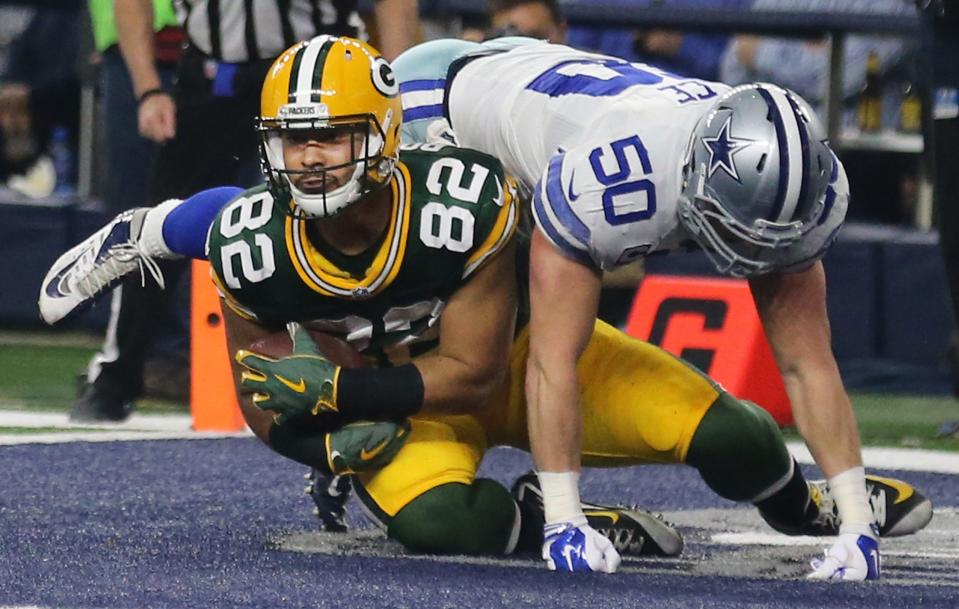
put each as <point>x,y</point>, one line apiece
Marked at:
<point>295,373</point>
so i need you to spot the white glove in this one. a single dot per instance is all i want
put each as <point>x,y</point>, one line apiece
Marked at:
<point>576,546</point>
<point>854,556</point>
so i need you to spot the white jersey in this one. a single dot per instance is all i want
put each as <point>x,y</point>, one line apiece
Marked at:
<point>525,105</point>
<point>623,128</point>
<point>601,142</point>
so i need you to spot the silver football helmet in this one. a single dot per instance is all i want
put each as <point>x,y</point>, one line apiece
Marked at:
<point>755,177</point>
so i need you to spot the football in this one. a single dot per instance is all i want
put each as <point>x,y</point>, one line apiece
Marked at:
<point>335,349</point>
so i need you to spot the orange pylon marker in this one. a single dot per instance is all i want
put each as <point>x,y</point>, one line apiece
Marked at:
<point>213,401</point>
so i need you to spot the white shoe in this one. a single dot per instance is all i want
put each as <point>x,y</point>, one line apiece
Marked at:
<point>94,266</point>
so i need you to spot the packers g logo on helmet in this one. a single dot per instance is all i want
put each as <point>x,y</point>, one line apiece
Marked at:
<point>331,82</point>
<point>383,78</point>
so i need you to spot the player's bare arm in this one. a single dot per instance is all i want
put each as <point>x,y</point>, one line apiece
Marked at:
<point>793,311</point>
<point>476,332</point>
<point>240,334</point>
<point>564,296</point>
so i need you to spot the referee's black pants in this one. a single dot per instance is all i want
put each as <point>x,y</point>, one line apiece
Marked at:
<point>215,145</point>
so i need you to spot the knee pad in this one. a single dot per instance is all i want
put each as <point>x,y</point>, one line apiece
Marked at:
<point>739,450</point>
<point>455,518</point>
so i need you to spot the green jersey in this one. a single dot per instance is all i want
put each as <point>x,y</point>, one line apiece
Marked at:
<point>453,210</point>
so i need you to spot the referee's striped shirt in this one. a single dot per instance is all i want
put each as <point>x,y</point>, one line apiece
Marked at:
<point>236,31</point>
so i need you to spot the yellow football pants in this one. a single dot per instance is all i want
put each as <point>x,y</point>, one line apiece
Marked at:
<point>640,405</point>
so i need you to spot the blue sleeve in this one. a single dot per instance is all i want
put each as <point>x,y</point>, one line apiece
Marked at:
<point>803,67</point>
<point>186,227</point>
<point>555,217</point>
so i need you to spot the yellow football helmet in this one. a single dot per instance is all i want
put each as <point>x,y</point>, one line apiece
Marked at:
<point>331,83</point>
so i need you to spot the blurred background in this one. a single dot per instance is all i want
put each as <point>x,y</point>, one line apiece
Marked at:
<point>880,72</point>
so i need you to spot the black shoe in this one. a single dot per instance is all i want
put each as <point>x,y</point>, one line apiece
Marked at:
<point>100,404</point>
<point>897,507</point>
<point>634,532</point>
<point>330,494</point>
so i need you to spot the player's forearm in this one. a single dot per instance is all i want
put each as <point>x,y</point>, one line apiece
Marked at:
<point>397,22</point>
<point>553,416</point>
<point>793,310</point>
<point>452,386</point>
<point>825,419</point>
<point>434,384</point>
<point>134,20</point>
<point>564,297</point>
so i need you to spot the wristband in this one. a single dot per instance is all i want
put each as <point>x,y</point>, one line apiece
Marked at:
<point>304,442</point>
<point>150,93</point>
<point>849,492</point>
<point>378,393</point>
<point>561,497</point>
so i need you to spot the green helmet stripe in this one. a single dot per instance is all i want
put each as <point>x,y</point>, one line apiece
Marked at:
<point>318,69</point>
<point>297,59</point>
<point>307,71</point>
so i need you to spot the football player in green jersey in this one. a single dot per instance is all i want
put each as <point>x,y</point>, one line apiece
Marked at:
<point>354,239</point>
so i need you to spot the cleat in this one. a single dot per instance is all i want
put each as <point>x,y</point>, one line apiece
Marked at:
<point>330,494</point>
<point>100,404</point>
<point>633,531</point>
<point>897,507</point>
<point>95,265</point>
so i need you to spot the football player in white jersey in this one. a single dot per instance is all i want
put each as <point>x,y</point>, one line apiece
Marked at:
<point>625,160</point>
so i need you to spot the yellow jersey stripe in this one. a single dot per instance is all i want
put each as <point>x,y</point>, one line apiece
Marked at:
<point>503,229</point>
<point>230,301</point>
<point>299,260</point>
<point>402,188</point>
<point>323,276</point>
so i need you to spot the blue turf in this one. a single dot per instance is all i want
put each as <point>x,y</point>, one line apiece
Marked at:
<point>188,524</point>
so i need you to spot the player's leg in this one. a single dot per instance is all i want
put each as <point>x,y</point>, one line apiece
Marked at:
<point>793,505</point>
<point>642,404</point>
<point>429,499</point>
<point>132,241</point>
<point>632,530</point>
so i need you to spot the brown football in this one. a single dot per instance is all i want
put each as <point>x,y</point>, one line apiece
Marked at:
<point>335,349</point>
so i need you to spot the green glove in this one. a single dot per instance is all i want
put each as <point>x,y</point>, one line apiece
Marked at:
<point>364,445</point>
<point>300,383</point>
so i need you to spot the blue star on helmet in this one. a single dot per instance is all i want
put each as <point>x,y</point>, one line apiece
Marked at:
<point>722,150</point>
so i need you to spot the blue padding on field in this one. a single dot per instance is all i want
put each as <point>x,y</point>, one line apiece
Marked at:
<point>32,236</point>
<point>30,240</point>
<point>917,320</point>
<point>852,281</point>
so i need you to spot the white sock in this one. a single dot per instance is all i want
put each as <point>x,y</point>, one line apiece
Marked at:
<point>151,233</point>
<point>849,492</point>
<point>561,496</point>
